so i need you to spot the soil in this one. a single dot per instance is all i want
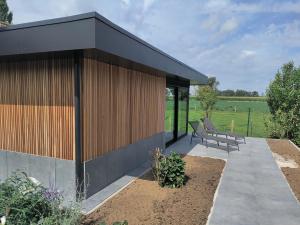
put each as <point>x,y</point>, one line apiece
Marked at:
<point>145,202</point>
<point>290,153</point>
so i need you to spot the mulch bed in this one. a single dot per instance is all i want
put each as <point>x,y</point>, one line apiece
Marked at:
<point>144,202</point>
<point>288,151</point>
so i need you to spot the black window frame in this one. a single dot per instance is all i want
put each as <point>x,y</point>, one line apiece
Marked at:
<point>176,84</point>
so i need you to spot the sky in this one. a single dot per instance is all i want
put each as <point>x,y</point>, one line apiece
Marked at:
<point>241,42</point>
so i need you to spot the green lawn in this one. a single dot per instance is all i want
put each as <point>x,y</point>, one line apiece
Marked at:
<point>228,110</point>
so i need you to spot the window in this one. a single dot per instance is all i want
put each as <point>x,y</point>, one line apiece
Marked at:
<point>170,114</point>
<point>176,113</point>
<point>183,95</point>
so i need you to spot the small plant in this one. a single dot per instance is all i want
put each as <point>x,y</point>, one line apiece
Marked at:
<point>168,170</point>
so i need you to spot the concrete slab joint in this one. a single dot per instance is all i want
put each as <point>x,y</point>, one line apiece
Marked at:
<point>49,171</point>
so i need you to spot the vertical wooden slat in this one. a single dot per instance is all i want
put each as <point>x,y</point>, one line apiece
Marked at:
<point>120,106</point>
<point>36,106</point>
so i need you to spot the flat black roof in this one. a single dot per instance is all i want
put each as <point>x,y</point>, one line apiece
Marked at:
<point>90,31</point>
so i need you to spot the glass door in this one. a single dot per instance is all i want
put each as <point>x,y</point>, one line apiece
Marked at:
<point>183,98</point>
<point>176,113</point>
<point>170,115</point>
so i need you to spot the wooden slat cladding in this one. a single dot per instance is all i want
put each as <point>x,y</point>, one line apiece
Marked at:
<point>119,106</point>
<point>36,106</point>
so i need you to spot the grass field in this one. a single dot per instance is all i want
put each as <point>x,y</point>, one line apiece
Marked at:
<point>229,110</point>
<point>242,98</point>
<point>233,111</point>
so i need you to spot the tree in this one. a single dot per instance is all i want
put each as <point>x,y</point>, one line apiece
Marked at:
<point>208,98</point>
<point>213,83</point>
<point>242,93</point>
<point>254,94</point>
<point>227,93</point>
<point>283,97</point>
<point>6,16</point>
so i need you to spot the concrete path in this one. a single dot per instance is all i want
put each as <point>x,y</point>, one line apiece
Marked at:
<point>253,190</point>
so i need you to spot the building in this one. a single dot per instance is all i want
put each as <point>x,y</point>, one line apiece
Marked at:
<point>82,101</point>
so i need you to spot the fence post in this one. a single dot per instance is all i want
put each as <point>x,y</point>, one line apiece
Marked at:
<point>248,121</point>
<point>232,126</point>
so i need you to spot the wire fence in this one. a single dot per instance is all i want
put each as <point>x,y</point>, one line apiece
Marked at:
<point>239,116</point>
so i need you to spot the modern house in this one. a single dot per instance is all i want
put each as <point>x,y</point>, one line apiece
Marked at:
<point>82,101</point>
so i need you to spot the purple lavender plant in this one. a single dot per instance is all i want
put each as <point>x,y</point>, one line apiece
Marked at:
<point>52,194</point>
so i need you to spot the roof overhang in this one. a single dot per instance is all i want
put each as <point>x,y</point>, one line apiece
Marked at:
<point>90,31</point>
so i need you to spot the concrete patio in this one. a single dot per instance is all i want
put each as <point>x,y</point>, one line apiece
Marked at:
<point>253,190</point>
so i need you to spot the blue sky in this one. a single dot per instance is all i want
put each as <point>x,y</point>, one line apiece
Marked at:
<point>242,43</point>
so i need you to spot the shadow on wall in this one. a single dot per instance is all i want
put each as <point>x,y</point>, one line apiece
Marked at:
<point>104,170</point>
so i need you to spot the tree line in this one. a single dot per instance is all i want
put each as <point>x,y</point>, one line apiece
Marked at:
<point>238,92</point>
<point>213,83</point>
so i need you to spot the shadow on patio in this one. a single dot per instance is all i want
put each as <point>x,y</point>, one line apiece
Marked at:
<point>197,148</point>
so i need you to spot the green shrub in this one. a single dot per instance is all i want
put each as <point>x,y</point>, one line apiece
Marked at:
<point>23,202</point>
<point>274,127</point>
<point>168,170</point>
<point>283,97</point>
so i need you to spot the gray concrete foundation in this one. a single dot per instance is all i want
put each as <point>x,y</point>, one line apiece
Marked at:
<point>104,170</point>
<point>98,173</point>
<point>51,172</point>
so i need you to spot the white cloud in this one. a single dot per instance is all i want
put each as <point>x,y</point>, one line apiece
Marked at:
<point>247,54</point>
<point>229,25</point>
<point>211,23</point>
<point>215,6</point>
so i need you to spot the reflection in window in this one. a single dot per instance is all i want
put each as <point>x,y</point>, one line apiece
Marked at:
<point>183,95</point>
<point>169,114</point>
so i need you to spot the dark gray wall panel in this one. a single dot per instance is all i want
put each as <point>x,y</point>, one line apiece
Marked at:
<point>104,170</point>
<point>95,175</point>
<point>3,165</point>
<point>17,161</point>
<point>42,168</point>
<point>65,178</point>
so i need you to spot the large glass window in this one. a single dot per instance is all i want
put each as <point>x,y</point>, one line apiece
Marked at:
<point>183,94</point>
<point>170,114</point>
